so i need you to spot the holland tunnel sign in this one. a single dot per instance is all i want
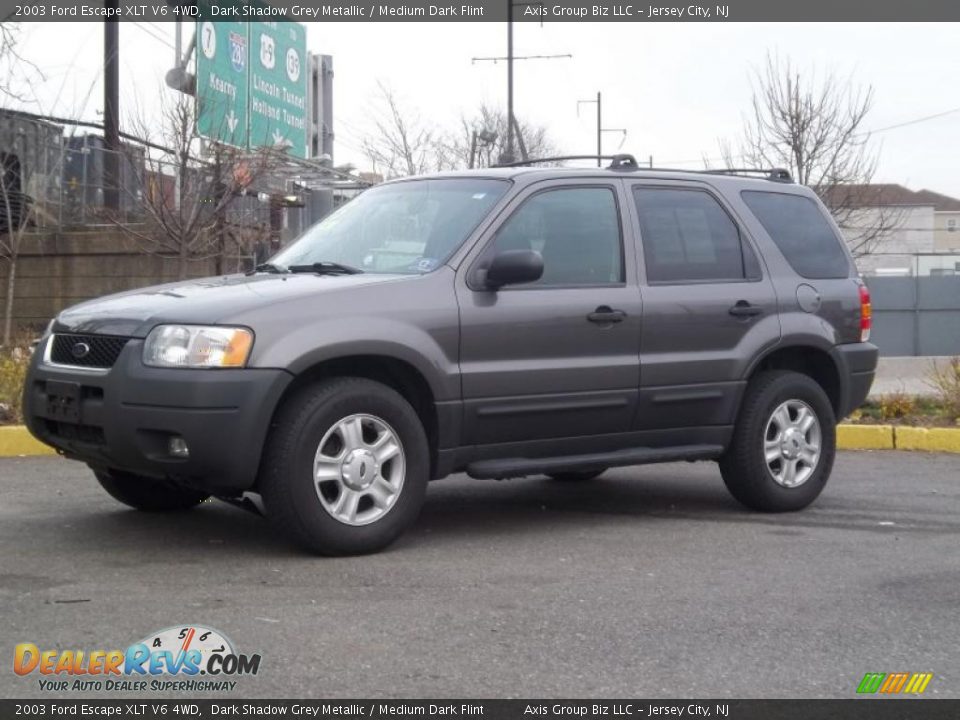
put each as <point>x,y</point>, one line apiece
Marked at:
<point>252,84</point>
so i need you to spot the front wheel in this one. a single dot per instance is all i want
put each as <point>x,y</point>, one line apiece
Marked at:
<point>148,494</point>
<point>783,445</point>
<point>346,467</point>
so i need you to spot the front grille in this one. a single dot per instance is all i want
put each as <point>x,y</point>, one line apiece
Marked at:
<point>88,434</point>
<point>92,351</point>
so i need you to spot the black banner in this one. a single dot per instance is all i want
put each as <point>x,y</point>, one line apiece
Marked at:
<point>853,709</point>
<point>485,10</point>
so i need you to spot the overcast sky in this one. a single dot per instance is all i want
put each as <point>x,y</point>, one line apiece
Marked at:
<point>676,88</point>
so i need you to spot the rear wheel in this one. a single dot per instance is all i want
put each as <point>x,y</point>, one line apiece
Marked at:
<point>576,475</point>
<point>783,445</point>
<point>346,467</point>
<point>148,494</point>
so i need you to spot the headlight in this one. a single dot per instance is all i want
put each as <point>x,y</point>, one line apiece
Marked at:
<point>197,346</point>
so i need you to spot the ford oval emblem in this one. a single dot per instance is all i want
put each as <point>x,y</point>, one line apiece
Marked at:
<point>80,350</point>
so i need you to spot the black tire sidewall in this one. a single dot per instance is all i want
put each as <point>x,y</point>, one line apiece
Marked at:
<point>744,467</point>
<point>293,484</point>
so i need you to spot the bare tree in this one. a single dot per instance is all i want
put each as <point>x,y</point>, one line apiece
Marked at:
<point>16,72</point>
<point>187,199</point>
<point>15,210</point>
<point>492,121</point>
<point>15,205</point>
<point>404,143</point>
<point>814,127</point>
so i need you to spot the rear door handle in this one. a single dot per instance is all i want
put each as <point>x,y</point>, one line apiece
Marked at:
<point>605,315</point>
<point>745,309</point>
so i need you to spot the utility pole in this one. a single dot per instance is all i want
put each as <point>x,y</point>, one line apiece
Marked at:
<point>111,107</point>
<point>600,128</point>
<point>508,155</point>
<point>598,101</point>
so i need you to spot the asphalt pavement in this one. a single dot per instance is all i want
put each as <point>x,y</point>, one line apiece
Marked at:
<point>649,582</point>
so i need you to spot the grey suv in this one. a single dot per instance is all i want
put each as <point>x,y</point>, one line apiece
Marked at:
<point>504,322</point>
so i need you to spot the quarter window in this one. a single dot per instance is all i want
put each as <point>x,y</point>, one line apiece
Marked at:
<point>797,226</point>
<point>577,230</point>
<point>687,236</point>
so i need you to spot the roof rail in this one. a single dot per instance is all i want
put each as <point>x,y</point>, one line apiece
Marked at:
<point>624,161</point>
<point>775,174</point>
<point>620,161</point>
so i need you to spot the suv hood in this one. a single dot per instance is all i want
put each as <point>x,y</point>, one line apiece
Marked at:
<point>203,301</point>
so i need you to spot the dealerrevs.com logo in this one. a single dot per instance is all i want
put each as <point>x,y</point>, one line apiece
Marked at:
<point>189,658</point>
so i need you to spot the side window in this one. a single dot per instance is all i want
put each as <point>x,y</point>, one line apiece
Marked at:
<point>687,236</point>
<point>577,230</point>
<point>802,233</point>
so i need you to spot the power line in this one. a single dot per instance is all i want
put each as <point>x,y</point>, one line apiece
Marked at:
<point>152,34</point>
<point>915,121</point>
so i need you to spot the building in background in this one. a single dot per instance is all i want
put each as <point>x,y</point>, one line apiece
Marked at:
<point>910,232</point>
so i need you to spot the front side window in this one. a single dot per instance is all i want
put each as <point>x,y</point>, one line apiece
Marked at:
<point>688,237</point>
<point>576,230</point>
<point>407,227</point>
<point>797,226</point>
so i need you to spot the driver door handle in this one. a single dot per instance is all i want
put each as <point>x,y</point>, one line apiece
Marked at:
<point>605,315</point>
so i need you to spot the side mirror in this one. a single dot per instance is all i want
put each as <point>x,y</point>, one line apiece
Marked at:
<point>512,267</point>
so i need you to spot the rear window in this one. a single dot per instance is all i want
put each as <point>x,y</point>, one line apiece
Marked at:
<point>797,226</point>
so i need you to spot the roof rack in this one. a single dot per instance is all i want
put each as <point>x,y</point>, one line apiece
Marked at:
<point>774,174</point>
<point>621,161</point>
<point>624,161</point>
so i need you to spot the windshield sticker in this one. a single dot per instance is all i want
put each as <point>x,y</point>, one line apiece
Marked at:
<point>426,264</point>
<point>479,196</point>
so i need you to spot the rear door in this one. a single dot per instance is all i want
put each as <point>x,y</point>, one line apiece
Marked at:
<point>709,306</point>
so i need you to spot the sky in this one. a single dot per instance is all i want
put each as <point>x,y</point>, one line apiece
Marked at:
<point>677,89</point>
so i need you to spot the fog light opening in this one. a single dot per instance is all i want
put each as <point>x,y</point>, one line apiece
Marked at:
<point>177,447</point>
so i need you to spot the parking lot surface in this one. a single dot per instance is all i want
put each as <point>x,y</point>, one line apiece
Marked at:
<point>649,582</point>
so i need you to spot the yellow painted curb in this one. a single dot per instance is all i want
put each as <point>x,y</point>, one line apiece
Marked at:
<point>865,437</point>
<point>15,440</point>
<point>930,439</point>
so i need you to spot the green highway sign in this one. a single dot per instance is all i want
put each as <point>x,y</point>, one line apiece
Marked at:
<point>252,84</point>
<point>278,85</point>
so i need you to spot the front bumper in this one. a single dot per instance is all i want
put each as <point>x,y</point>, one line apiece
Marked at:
<point>123,418</point>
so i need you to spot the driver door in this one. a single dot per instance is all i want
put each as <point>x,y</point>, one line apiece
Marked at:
<point>559,357</point>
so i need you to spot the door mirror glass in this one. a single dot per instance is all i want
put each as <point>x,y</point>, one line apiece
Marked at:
<point>512,267</point>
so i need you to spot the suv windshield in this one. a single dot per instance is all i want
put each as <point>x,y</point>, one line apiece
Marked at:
<point>407,227</point>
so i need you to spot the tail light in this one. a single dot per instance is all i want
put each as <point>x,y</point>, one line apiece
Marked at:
<point>866,313</point>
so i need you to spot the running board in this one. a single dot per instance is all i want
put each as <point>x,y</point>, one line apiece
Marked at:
<point>519,467</point>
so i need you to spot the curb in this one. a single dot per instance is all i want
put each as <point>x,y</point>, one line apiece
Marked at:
<point>16,441</point>
<point>894,437</point>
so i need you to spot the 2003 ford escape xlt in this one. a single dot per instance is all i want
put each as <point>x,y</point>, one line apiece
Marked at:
<point>503,322</point>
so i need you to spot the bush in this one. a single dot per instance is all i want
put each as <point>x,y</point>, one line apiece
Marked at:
<point>896,405</point>
<point>946,381</point>
<point>13,372</point>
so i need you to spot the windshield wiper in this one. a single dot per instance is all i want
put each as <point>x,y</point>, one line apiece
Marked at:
<point>325,268</point>
<point>268,268</point>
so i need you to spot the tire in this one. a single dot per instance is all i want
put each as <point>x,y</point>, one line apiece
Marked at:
<point>771,486</point>
<point>148,494</point>
<point>576,475</point>
<point>312,433</point>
